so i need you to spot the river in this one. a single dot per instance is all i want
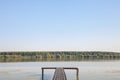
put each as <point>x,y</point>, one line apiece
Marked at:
<point>88,70</point>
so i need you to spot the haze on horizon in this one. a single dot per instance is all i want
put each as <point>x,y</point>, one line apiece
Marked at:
<point>60,25</point>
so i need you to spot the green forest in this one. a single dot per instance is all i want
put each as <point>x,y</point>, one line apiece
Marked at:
<point>57,56</point>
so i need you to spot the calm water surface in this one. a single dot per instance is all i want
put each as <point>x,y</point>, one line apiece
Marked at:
<point>105,70</point>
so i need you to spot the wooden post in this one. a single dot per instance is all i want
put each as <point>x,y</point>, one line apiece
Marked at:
<point>77,75</point>
<point>42,74</point>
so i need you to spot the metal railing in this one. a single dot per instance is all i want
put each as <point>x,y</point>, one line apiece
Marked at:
<point>67,68</point>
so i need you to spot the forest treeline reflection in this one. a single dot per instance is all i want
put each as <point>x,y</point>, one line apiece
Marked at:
<point>57,56</point>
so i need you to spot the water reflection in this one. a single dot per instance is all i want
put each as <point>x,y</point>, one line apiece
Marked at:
<point>54,59</point>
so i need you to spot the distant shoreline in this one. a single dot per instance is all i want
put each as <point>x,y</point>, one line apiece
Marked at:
<point>57,56</point>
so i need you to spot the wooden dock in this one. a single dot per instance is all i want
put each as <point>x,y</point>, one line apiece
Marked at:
<point>60,73</point>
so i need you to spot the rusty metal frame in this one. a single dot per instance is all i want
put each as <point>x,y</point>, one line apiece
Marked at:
<point>67,68</point>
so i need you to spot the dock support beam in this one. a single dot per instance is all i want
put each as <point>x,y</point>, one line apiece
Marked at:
<point>42,74</point>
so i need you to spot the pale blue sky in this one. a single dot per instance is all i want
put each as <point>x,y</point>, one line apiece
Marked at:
<point>53,25</point>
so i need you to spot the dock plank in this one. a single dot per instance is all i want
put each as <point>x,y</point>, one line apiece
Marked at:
<point>59,74</point>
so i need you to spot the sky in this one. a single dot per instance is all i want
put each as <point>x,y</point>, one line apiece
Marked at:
<point>60,25</point>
